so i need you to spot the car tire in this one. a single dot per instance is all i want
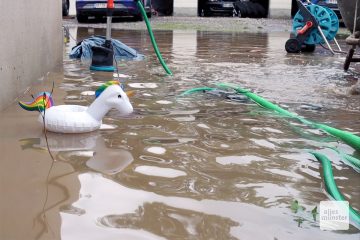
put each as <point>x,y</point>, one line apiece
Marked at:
<point>65,8</point>
<point>148,14</point>
<point>81,18</point>
<point>252,10</point>
<point>241,9</point>
<point>261,10</point>
<point>139,17</point>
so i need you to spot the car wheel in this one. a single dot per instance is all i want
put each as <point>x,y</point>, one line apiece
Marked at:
<point>252,11</point>
<point>138,17</point>
<point>241,9</point>
<point>65,8</point>
<point>260,10</point>
<point>81,18</point>
<point>148,14</point>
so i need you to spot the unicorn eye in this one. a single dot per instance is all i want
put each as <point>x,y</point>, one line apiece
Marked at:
<point>119,96</point>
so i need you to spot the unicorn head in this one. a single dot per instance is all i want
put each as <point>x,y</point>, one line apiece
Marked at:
<point>110,95</point>
<point>41,101</point>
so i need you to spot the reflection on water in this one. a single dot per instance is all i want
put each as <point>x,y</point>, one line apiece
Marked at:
<point>173,223</point>
<point>89,146</point>
<point>198,167</point>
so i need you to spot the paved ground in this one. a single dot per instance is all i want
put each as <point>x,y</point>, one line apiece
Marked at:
<point>228,24</point>
<point>196,23</point>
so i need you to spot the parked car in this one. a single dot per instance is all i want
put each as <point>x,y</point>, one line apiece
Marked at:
<point>215,7</point>
<point>65,7</point>
<point>97,8</point>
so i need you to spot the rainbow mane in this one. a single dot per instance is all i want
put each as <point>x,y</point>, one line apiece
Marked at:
<point>104,86</point>
<point>43,100</point>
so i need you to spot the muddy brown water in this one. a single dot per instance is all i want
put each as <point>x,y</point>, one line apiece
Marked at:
<point>198,167</point>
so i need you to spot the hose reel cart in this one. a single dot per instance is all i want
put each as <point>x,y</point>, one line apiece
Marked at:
<point>312,24</point>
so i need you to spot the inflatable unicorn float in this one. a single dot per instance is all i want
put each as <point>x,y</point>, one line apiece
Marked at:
<point>76,118</point>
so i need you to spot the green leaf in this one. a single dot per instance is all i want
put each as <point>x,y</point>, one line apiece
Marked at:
<point>295,206</point>
<point>314,213</point>
<point>299,221</point>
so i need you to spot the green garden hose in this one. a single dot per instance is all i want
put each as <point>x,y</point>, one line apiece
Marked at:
<point>348,137</point>
<point>348,159</point>
<point>331,186</point>
<point>152,38</point>
<point>353,161</point>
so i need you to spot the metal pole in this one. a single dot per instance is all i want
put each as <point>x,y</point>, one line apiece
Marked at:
<point>110,9</point>
<point>326,41</point>
<point>337,44</point>
<point>355,16</point>
<point>108,28</point>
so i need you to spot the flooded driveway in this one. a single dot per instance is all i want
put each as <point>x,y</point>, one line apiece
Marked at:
<point>197,167</point>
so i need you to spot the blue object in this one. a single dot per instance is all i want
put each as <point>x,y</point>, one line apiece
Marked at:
<point>102,68</point>
<point>334,28</point>
<point>121,51</point>
<point>323,18</point>
<point>313,1</point>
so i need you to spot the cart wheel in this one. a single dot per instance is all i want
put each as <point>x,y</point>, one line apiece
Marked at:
<point>348,59</point>
<point>292,45</point>
<point>308,48</point>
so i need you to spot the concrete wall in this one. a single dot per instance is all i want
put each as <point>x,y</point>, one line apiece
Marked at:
<point>30,44</point>
<point>185,7</point>
<point>72,9</point>
<point>280,9</point>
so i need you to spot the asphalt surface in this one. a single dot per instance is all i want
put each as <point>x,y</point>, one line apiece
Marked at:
<point>229,24</point>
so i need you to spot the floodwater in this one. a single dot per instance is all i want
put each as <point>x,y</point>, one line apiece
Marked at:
<point>197,167</point>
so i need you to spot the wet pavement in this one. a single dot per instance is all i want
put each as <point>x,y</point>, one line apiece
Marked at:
<point>224,24</point>
<point>197,167</point>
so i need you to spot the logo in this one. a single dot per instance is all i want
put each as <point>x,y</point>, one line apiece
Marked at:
<point>334,215</point>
